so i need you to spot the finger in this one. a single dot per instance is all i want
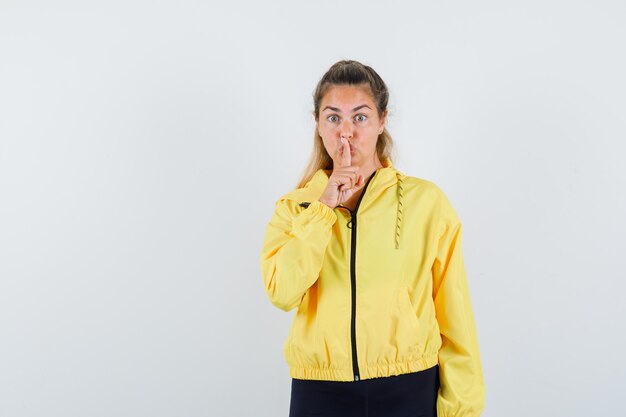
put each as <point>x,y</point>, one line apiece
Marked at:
<point>351,184</point>
<point>345,160</point>
<point>347,183</point>
<point>353,181</point>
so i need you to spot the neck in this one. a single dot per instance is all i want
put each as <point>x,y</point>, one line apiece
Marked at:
<point>369,167</point>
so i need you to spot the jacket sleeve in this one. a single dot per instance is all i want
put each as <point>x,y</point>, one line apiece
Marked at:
<point>462,388</point>
<point>293,251</point>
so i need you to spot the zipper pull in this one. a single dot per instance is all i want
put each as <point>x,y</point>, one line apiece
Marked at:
<point>349,224</point>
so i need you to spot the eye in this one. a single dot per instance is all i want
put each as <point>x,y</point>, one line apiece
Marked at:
<point>361,115</point>
<point>329,117</point>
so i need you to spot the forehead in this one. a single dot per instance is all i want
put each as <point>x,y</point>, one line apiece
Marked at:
<point>347,97</point>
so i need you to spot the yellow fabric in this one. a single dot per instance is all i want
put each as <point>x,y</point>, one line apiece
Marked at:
<point>413,307</point>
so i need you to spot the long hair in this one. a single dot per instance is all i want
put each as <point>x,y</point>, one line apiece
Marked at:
<point>348,72</point>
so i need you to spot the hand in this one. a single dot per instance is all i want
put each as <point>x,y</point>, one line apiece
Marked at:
<point>344,181</point>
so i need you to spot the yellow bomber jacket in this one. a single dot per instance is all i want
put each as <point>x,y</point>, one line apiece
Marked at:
<point>380,290</point>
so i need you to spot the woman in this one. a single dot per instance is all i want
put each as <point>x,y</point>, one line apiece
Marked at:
<point>372,260</point>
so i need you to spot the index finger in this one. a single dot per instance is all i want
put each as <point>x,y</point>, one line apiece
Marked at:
<point>345,160</point>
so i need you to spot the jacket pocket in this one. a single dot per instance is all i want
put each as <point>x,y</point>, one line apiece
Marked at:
<point>288,345</point>
<point>411,323</point>
<point>298,348</point>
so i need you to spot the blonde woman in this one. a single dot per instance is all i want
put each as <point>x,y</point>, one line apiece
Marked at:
<point>371,260</point>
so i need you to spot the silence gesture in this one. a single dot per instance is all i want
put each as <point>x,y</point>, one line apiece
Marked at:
<point>343,181</point>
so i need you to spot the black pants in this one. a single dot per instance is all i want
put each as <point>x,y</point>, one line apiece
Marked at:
<point>407,395</point>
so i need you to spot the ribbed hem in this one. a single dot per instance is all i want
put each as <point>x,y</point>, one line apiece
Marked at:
<point>327,374</point>
<point>399,368</point>
<point>376,371</point>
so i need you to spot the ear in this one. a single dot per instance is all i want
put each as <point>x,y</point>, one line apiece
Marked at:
<point>317,124</point>
<point>383,120</point>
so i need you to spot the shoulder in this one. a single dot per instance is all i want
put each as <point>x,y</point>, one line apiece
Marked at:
<point>428,193</point>
<point>422,186</point>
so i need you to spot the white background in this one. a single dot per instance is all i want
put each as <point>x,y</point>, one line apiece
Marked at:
<point>143,145</point>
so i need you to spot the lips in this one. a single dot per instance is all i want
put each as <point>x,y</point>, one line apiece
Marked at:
<point>352,149</point>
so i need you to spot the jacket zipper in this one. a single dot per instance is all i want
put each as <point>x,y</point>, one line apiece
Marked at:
<point>352,225</point>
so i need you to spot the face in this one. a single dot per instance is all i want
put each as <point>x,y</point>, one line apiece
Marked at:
<point>348,111</point>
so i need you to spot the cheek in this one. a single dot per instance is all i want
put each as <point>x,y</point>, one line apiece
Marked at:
<point>326,127</point>
<point>330,147</point>
<point>328,134</point>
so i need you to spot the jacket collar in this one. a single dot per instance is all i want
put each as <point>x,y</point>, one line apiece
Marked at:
<point>383,178</point>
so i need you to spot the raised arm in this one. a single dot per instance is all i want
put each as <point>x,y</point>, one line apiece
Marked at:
<point>293,250</point>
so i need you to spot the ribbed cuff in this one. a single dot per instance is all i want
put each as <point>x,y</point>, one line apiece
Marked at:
<point>316,212</point>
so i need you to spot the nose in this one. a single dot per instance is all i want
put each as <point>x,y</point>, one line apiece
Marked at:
<point>346,129</point>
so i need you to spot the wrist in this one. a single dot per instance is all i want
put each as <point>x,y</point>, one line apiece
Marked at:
<point>326,203</point>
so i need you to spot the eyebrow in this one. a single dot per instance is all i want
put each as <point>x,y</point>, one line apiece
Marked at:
<point>354,109</point>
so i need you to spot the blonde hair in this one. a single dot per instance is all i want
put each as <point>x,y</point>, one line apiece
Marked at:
<point>348,72</point>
